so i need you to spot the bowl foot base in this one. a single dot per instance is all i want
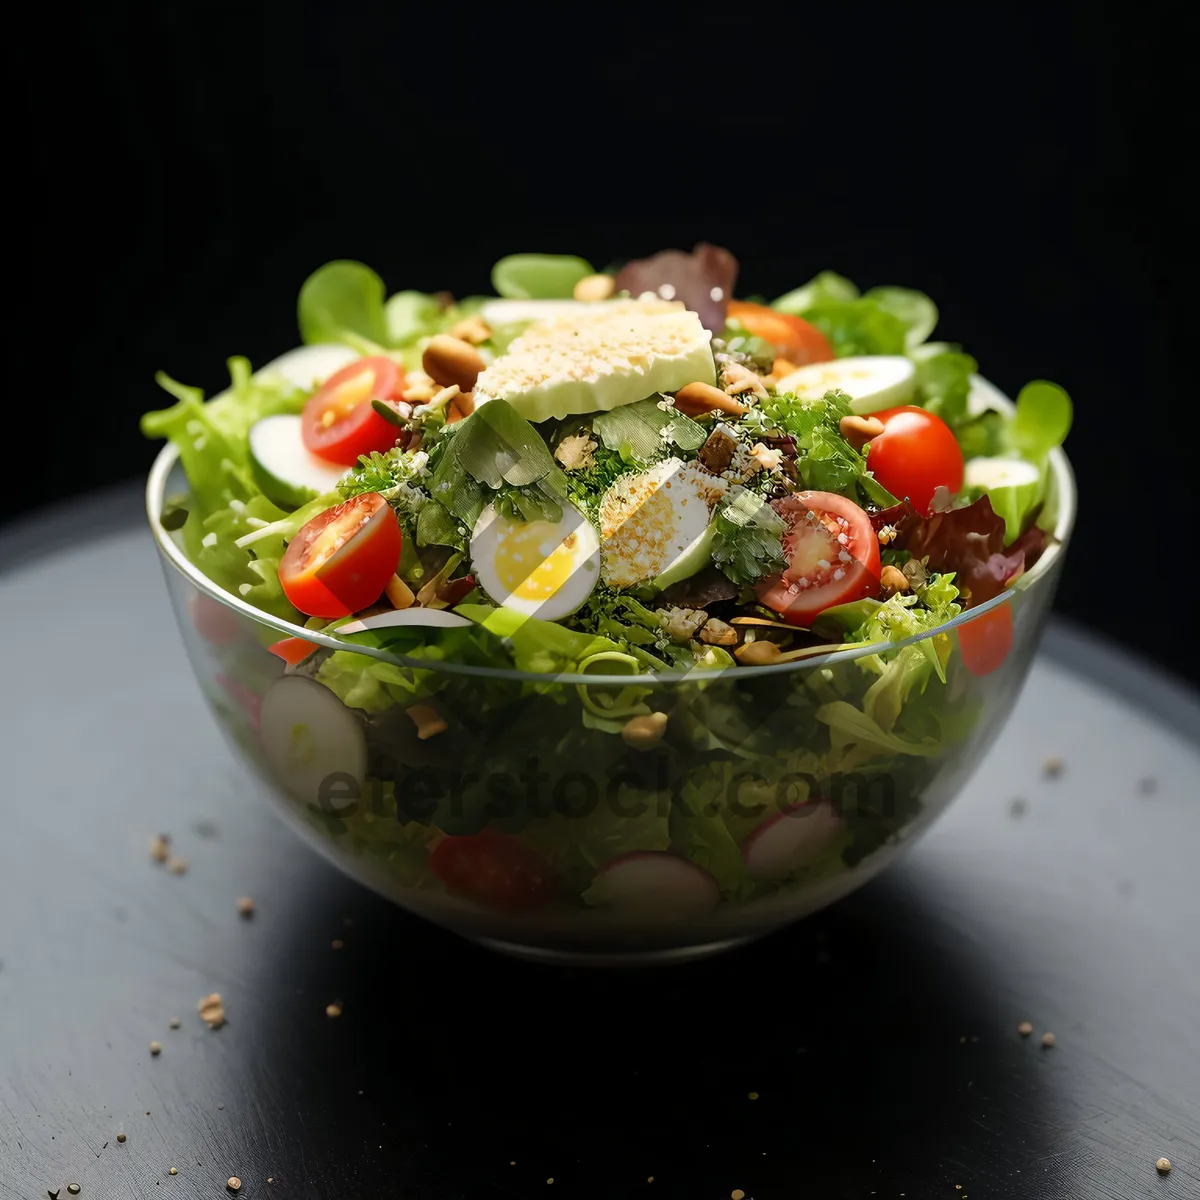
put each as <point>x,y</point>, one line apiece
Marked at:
<point>657,957</point>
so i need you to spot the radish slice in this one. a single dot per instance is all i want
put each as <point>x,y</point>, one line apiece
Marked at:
<point>430,618</point>
<point>655,883</point>
<point>794,837</point>
<point>310,737</point>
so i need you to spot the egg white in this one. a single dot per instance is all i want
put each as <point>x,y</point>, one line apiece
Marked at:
<point>544,569</point>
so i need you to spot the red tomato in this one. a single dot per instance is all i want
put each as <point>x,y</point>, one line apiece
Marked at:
<point>986,641</point>
<point>794,339</point>
<point>823,569</point>
<point>342,559</point>
<point>292,650</point>
<point>244,698</point>
<point>495,869</point>
<point>339,423</point>
<point>915,454</point>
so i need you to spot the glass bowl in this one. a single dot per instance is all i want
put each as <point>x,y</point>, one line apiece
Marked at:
<point>765,795</point>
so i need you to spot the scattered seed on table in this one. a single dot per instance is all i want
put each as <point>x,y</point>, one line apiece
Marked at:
<point>120,1137</point>
<point>334,1009</point>
<point>155,1048</point>
<point>245,906</point>
<point>175,1022</point>
<point>1053,766</point>
<point>173,1171</point>
<point>752,1096</point>
<point>233,1183</point>
<point>220,1108</point>
<point>650,1179</point>
<point>737,1194</point>
<point>551,1179</point>
<point>1018,807</point>
<point>1163,1166</point>
<point>1025,1028</point>
<point>160,847</point>
<point>177,866</point>
<point>1148,786</point>
<point>73,1188</point>
<point>1048,1040</point>
<point>212,1010</point>
<point>337,944</point>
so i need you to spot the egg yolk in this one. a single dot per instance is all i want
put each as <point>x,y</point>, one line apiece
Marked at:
<point>534,561</point>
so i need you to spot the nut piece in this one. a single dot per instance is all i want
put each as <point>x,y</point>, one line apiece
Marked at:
<point>682,624</point>
<point>757,654</point>
<point>575,452</point>
<point>427,719</point>
<point>245,906</point>
<point>471,329</point>
<point>333,1010</point>
<point>1163,1166</point>
<point>717,633</point>
<point>160,848</point>
<point>595,287</point>
<point>858,431</point>
<point>894,580</point>
<point>717,452</point>
<point>737,378</point>
<point>156,1048</point>
<point>177,866</point>
<point>212,1011</point>
<point>1025,1028</point>
<point>233,1183</point>
<point>696,399</point>
<point>645,731</point>
<point>449,360</point>
<point>1048,1040</point>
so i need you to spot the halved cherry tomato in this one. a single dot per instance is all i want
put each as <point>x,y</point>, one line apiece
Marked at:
<point>339,423</point>
<point>495,869</point>
<point>915,454</point>
<point>833,555</point>
<point>793,338</point>
<point>986,641</point>
<point>341,560</point>
<point>292,650</point>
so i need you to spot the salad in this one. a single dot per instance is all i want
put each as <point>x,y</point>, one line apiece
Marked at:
<point>531,506</point>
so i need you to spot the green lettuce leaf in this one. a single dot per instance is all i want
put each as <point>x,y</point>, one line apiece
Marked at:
<point>539,276</point>
<point>343,302</point>
<point>747,538</point>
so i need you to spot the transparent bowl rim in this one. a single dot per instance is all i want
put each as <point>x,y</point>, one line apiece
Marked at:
<point>984,395</point>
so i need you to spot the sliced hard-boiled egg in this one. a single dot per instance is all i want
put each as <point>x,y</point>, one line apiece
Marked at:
<point>651,519</point>
<point>544,569</point>
<point>872,381</point>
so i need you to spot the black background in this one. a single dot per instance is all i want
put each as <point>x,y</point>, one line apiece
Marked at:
<point>190,163</point>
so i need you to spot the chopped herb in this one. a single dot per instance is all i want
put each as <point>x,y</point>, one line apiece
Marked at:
<point>748,538</point>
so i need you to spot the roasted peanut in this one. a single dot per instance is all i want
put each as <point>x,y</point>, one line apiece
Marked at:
<point>427,719</point>
<point>595,287</point>
<point>757,654</point>
<point>858,431</point>
<point>449,360</point>
<point>894,580</point>
<point>696,399</point>
<point>644,732</point>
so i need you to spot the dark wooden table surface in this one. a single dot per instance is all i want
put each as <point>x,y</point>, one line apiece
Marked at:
<point>871,1051</point>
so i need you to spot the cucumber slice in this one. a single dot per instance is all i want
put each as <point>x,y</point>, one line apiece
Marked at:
<point>287,471</point>
<point>872,381</point>
<point>988,473</point>
<point>693,560</point>
<point>1012,485</point>
<point>309,737</point>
